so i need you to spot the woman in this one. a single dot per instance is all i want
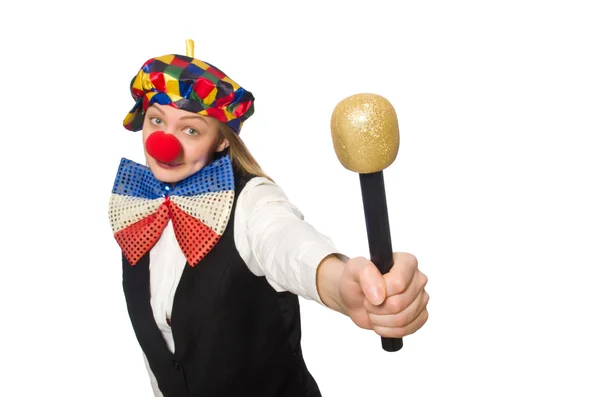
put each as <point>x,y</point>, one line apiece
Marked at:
<point>215,256</point>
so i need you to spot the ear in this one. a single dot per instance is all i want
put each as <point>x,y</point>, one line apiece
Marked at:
<point>224,144</point>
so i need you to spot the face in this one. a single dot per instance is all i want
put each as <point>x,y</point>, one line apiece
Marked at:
<point>199,137</point>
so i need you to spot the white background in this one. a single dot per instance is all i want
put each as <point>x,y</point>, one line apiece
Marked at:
<point>495,188</point>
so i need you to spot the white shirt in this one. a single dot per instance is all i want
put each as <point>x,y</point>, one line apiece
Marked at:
<point>271,237</point>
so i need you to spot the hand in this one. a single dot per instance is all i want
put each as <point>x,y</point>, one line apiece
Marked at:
<point>394,304</point>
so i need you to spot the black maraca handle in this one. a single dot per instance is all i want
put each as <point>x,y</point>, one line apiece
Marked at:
<point>378,233</point>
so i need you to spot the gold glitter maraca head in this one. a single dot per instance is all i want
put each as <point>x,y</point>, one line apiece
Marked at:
<point>365,133</point>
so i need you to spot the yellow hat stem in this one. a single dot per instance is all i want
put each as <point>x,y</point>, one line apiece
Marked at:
<point>189,48</point>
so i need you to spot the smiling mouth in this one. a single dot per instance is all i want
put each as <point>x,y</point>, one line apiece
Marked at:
<point>168,166</point>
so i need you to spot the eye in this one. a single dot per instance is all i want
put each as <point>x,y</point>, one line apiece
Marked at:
<point>156,121</point>
<point>191,131</point>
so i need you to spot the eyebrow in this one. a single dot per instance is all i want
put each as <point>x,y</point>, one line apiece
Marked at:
<point>155,108</point>
<point>194,117</point>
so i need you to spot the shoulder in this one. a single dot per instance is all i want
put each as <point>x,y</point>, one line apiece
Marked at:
<point>260,202</point>
<point>264,199</point>
<point>260,190</point>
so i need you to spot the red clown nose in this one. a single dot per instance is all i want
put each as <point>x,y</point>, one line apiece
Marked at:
<point>163,147</point>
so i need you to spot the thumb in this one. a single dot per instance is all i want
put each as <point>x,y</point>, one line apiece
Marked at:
<point>372,283</point>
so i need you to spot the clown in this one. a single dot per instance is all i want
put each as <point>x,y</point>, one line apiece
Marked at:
<point>215,255</point>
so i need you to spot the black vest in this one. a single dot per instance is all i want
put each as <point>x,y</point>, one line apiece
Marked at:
<point>235,336</point>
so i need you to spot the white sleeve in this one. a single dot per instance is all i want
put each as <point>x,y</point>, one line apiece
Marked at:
<point>153,382</point>
<point>274,240</point>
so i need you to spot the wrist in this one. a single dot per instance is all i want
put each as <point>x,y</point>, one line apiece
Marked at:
<point>329,273</point>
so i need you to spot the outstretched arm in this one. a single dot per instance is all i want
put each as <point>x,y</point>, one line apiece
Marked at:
<point>275,241</point>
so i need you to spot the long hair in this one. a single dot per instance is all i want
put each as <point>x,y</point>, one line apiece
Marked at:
<point>241,158</point>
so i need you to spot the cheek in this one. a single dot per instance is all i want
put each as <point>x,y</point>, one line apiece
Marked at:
<point>199,151</point>
<point>145,134</point>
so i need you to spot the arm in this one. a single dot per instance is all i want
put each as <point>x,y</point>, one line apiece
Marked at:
<point>274,241</point>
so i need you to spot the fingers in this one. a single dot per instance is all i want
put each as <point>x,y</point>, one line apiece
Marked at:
<point>395,304</point>
<point>371,281</point>
<point>403,318</point>
<point>399,332</point>
<point>399,278</point>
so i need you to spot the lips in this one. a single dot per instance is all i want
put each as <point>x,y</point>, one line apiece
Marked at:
<point>168,166</point>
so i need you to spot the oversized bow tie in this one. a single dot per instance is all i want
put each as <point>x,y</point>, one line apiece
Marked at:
<point>199,207</point>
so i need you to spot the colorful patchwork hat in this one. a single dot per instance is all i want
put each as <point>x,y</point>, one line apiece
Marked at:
<point>189,84</point>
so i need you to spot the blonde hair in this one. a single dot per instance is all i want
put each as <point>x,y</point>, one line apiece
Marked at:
<point>241,158</point>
